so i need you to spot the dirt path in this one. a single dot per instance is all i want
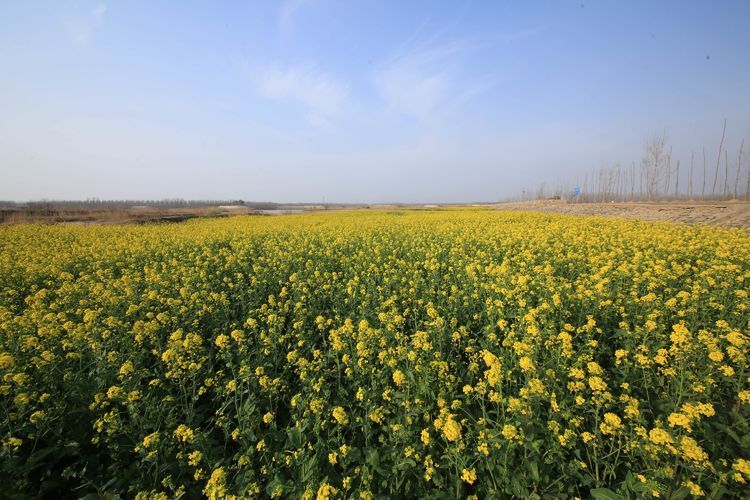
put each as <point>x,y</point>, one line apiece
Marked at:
<point>728,213</point>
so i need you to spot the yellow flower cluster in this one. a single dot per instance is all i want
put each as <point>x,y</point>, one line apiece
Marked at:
<point>373,354</point>
<point>339,414</point>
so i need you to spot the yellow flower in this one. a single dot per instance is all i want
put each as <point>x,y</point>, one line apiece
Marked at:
<point>735,338</point>
<point>37,417</point>
<point>742,465</point>
<point>425,437</point>
<point>716,356</point>
<point>509,431</point>
<point>184,433</point>
<point>597,384</point>
<point>151,440</point>
<point>727,370</point>
<point>451,430</point>
<point>695,490</point>
<point>115,392</point>
<point>469,476</point>
<point>194,458</point>
<point>659,436</point>
<point>577,373</point>
<point>377,415</point>
<point>611,424</point>
<point>237,335</point>
<point>13,442</point>
<point>222,341</point>
<point>216,487</point>
<point>6,361</point>
<point>339,414</point>
<point>679,420</point>
<point>399,378</point>
<point>126,369</point>
<point>268,418</point>
<point>526,364</point>
<point>594,368</point>
<point>680,334</point>
<point>325,492</point>
<point>316,405</point>
<point>691,451</point>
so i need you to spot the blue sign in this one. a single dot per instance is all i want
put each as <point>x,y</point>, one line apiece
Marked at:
<point>576,191</point>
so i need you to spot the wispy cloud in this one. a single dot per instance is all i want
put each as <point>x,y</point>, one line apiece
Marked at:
<point>422,80</point>
<point>321,95</point>
<point>428,77</point>
<point>82,27</point>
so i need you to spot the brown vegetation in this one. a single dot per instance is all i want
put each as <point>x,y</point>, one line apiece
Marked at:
<point>133,215</point>
<point>733,213</point>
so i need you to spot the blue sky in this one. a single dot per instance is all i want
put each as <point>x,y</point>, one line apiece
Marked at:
<point>356,101</point>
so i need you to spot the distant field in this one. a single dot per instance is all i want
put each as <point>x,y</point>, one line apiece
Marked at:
<point>132,215</point>
<point>402,353</point>
<point>729,213</point>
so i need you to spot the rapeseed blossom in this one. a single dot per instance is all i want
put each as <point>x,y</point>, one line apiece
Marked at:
<point>378,354</point>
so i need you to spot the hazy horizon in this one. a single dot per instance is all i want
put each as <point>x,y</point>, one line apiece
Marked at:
<point>357,102</point>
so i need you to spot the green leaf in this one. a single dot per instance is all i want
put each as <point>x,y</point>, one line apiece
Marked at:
<point>680,494</point>
<point>295,437</point>
<point>308,469</point>
<point>373,459</point>
<point>518,489</point>
<point>605,494</point>
<point>406,464</point>
<point>534,469</point>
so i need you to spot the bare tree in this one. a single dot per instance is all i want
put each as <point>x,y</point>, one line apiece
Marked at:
<point>718,158</point>
<point>725,193</point>
<point>677,182</point>
<point>739,168</point>
<point>703,190</point>
<point>690,176</point>
<point>669,172</point>
<point>586,185</point>
<point>653,164</point>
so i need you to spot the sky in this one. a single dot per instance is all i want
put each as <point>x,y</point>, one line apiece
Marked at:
<point>358,100</point>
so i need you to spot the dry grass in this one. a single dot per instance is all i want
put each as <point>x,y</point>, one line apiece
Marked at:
<point>114,216</point>
<point>732,213</point>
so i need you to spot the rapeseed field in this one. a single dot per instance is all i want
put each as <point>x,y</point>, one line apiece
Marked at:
<point>445,353</point>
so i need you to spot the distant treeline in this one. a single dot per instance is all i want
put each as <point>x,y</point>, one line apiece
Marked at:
<point>659,176</point>
<point>97,204</point>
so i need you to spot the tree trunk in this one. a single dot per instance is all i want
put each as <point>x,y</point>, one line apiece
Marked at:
<point>718,159</point>
<point>703,190</point>
<point>726,174</point>
<point>690,176</point>
<point>640,186</point>
<point>669,173</point>
<point>739,168</point>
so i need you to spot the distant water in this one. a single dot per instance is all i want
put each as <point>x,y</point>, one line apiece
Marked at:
<point>280,211</point>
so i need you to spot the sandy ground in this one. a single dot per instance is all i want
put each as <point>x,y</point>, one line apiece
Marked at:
<point>729,213</point>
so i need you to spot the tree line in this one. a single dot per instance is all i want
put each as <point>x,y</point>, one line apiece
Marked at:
<point>659,176</point>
